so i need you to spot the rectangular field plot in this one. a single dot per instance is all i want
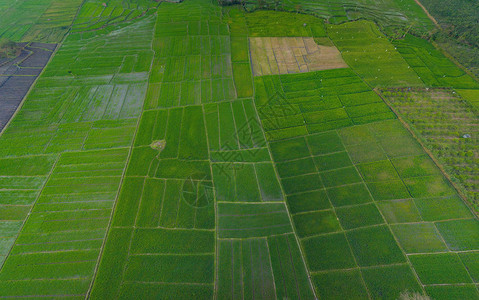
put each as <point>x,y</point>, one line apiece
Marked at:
<point>242,220</point>
<point>245,182</point>
<point>270,267</point>
<point>62,237</point>
<point>283,24</point>
<point>233,126</point>
<point>245,269</point>
<point>419,238</point>
<point>340,284</point>
<point>388,14</point>
<point>390,281</point>
<point>192,64</point>
<point>179,261</point>
<point>300,104</point>
<point>431,65</point>
<point>283,55</point>
<point>452,137</point>
<point>44,21</point>
<point>93,15</point>
<point>440,268</point>
<point>18,74</point>
<point>346,186</point>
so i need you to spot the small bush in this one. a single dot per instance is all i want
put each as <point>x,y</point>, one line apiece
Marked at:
<point>406,295</point>
<point>8,48</point>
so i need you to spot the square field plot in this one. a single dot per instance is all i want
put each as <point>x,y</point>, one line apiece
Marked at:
<point>419,238</point>
<point>283,55</point>
<point>374,246</point>
<point>440,268</point>
<point>328,252</point>
<point>339,285</point>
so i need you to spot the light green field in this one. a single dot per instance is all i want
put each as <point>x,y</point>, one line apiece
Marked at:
<point>148,163</point>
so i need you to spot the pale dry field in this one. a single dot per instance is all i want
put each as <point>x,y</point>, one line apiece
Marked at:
<point>283,55</point>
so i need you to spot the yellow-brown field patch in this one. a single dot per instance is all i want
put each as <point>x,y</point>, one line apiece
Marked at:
<point>283,55</point>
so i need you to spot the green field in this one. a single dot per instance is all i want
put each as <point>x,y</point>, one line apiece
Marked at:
<point>147,162</point>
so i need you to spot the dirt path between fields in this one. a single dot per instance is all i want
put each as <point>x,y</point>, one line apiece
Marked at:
<point>427,13</point>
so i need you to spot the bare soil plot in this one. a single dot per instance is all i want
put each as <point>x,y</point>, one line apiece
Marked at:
<point>283,55</point>
<point>18,74</point>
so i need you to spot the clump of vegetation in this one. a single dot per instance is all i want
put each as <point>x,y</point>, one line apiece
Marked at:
<point>228,2</point>
<point>413,296</point>
<point>8,48</point>
<point>158,145</point>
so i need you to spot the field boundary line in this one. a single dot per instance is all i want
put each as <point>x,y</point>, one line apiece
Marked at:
<point>430,154</point>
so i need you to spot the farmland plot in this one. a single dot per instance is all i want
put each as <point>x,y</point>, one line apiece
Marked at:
<point>357,207</point>
<point>434,69</point>
<point>165,216</point>
<point>300,104</point>
<point>96,15</point>
<point>283,55</point>
<point>371,55</point>
<point>44,21</point>
<point>200,189</point>
<point>18,74</point>
<point>450,134</point>
<point>72,139</point>
<point>311,189</point>
<point>356,193</point>
<point>388,14</point>
<point>192,62</point>
<point>471,96</point>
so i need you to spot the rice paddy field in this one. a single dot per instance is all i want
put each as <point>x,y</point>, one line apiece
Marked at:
<point>194,151</point>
